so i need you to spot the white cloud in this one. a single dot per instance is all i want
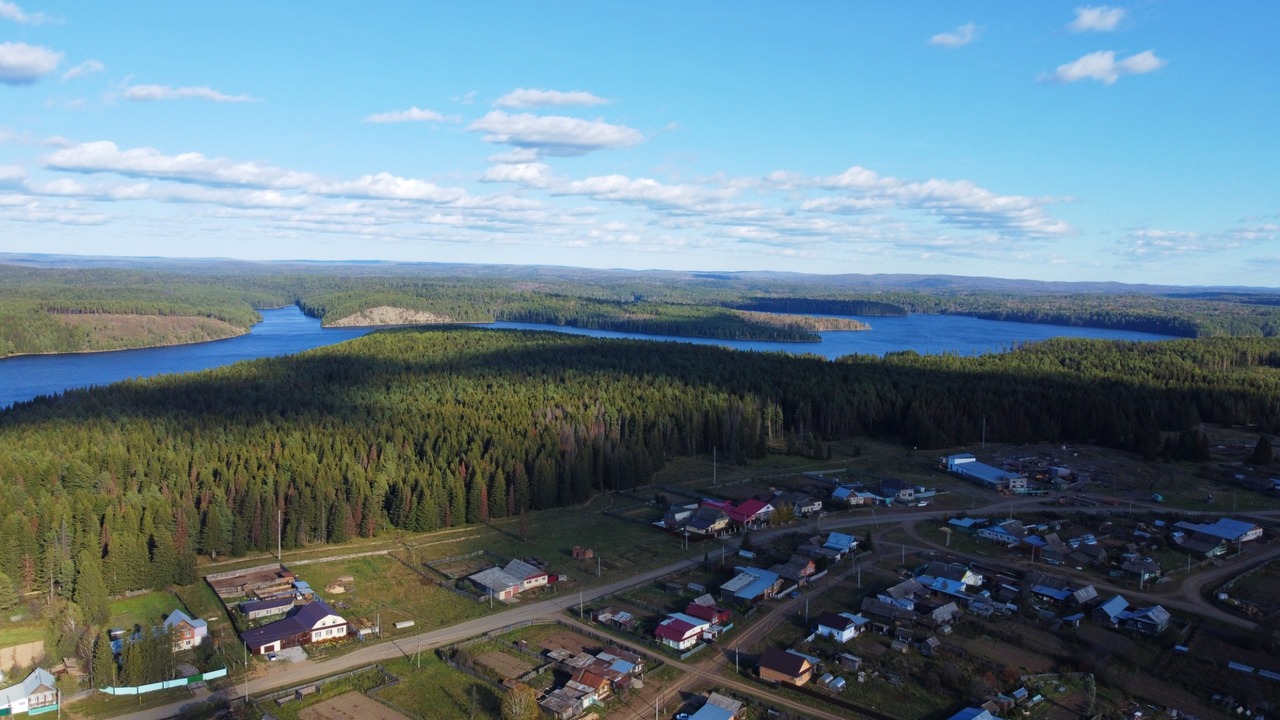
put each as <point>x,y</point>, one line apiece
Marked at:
<point>23,64</point>
<point>533,174</point>
<point>959,37</point>
<point>11,174</point>
<point>643,191</point>
<point>148,93</point>
<point>105,156</point>
<point>1100,18</point>
<point>388,187</point>
<point>88,67</point>
<point>1155,243</point>
<point>1102,66</point>
<point>554,134</point>
<point>11,11</point>
<point>530,98</point>
<point>413,114</point>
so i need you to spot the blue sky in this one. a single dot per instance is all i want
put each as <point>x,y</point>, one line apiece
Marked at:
<point>1041,140</point>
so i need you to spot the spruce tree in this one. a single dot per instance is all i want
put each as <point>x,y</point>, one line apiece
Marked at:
<point>91,591</point>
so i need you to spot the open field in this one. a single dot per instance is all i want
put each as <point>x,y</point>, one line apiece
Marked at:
<point>146,611</point>
<point>429,688</point>
<point>350,706</point>
<point>21,632</point>
<point>383,586</point>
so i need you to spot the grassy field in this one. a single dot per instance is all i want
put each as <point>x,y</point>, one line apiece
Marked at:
<point>385,586</point>
<point>432,689</point>
<point>146,611</point>
<point>101,705</point>
<point>21,632</point>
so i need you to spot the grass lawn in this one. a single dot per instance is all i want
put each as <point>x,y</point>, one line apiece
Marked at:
<point>21,632</point>
<point>622,547</point>
<point>101,705</point>
<point>385,586</point>
<point>435,690</point>
<point>147,610</point>
<point>362,682</point>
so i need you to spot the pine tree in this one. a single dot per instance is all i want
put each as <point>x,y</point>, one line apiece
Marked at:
<point>91,591</point>
<point>1262,452</point>
<point>8,595</point>
<point>103,669</point>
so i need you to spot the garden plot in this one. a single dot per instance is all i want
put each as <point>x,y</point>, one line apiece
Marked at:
<point>350,706</point>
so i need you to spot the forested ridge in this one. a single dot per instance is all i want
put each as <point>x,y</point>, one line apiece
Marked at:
<point>424,429</point>
<point>33,301</point>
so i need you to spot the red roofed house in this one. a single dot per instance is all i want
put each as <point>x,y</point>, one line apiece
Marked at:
<point>681,631</point>
<point>751,512</point>
<point>710,613</point>
<point>601,685</point>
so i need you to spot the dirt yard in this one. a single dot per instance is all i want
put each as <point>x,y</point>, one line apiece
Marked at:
<point>350,706</point>
<point>506,666</point>
<point>572,642</point>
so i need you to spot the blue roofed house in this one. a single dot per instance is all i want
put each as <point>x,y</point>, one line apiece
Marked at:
<point>1010,532</point>
<point>719,707</point>
<point>840,542</point>
<point>37,693</point>
<point>1149,620</point>
<point>186,632</point>
<point>973,713</point>
<point>1111,611</point>
<point>751,584</point>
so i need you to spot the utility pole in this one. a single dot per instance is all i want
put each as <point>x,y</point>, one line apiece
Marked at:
<point>713,466</point>
<point>597,565</point>
<point>279,532</point>
<point>246,674</point>
<point>579,604</point>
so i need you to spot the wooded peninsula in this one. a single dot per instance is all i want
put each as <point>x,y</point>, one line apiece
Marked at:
<point>47,309</point>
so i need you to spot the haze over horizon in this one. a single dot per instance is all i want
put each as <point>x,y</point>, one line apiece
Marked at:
<point>1045,141</point>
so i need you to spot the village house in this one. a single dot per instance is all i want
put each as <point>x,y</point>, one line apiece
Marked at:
<point>258,609</point>
<point>801,504</point>
<point>186,632</point>
<point>37,693</point>
<point>1149,620</point>
<point>751,512</point>
<point>720,707</point>
<point>1008,532</point>
<point>704,608</point>
<point>528,575</point>
<point>797,570</point>
<point>308,624</point>
<point>841,627</point>
<point>681,631</point>
<point>496,584</point>
<point>708,520</point>
<point>954,571</point>
<point>784,666</point>
<point>751,585</point>
<point>966,525</point>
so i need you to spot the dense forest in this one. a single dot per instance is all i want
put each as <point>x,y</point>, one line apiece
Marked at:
<point>425,429</point>
<point>38,304</point>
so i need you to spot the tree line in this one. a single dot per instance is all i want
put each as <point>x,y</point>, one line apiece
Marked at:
<point>431,429</point>
<point>33,300</point>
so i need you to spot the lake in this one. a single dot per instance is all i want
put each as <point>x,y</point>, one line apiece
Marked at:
<point>285,331</point>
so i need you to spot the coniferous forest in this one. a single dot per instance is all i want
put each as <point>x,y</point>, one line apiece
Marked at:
<point>426,429</point>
